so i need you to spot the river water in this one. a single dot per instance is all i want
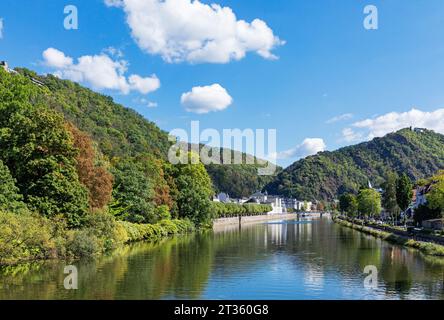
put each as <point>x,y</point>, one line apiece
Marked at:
<point>293,259</point>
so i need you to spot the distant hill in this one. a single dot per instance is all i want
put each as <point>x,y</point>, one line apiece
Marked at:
<point>328,174</point>
<point>122,132</point>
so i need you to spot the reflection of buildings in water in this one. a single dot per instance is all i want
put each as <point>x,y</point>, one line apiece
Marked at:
<point>303,230</point>
<point>277,233</point>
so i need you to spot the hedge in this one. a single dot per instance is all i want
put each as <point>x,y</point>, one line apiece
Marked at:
<point>225,210</point>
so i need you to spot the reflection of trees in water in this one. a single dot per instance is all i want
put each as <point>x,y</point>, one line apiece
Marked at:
<point>180,267</point>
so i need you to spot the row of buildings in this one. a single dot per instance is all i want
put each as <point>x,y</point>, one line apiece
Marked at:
<point>280,205</point>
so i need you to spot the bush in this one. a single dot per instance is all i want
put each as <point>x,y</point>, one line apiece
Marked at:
<point>83,243</point>
<point>25,237</point>
<point>154,232</point>
<point>224,210</point>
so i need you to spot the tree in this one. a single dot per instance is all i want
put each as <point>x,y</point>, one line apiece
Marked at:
<point>10,199</point>
<point>348,204</point>
<point>369,202</point>
<point>38,150</point>
<point>389,199</point>
<point>133,192</point>
<point>194,191</point>
<point>92,175</point>
<point>435,198</point>
<point>404,192</point>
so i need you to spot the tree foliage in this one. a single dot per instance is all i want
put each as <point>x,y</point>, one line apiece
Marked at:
<point>348,204</point>
<point>92,173</point>
<point>39,152</point>
<point>404,191</point>
<point>10,198</point>
<point>369,202</point>
<point>390,198</point>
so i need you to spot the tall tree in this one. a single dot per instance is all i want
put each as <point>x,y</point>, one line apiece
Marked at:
<point>91,174</point>
<point>389,199</point>
<point>404,191</point>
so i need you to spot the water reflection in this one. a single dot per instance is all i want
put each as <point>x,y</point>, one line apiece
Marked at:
<point>278,260</point>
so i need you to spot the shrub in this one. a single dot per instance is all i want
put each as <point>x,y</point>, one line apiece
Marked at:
<point>223,210</point>
<point>25,237</point>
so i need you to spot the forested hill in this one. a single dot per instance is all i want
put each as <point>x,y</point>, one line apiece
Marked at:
<point>121,132</point>
<point>118,131</point>
<point>328,174</point>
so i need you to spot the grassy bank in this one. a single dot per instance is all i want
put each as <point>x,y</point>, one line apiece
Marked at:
<point>428,248</point>
<point>31,237</point>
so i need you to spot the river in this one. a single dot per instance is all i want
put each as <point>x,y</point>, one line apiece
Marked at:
<point>293,259</point>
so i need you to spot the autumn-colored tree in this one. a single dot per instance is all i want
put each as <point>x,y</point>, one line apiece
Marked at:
<point>95,178</point>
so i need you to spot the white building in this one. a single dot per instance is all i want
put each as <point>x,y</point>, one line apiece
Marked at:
<point>264,198</point>
<point>304,206</point>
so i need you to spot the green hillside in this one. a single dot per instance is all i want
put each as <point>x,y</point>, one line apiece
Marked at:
<point>328,174</point>
<point>121,132</point>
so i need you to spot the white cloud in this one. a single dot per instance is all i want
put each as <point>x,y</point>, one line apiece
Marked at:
<point>1,28</point>
<point>186,30</point>
<point>206,99</point>
<point>151,104</point>
<point>56,59</point>
<point>342,117</point>
<point>308,147</point>
<point>144,85</point>
<point>393,121</point>
<point>99,71</point>
<point>349,135</point>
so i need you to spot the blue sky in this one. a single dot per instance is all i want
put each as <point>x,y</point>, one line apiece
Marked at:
<point>330,66</point>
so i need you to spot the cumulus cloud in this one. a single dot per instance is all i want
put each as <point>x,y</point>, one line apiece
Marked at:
<point>1,28</point>
<point>56,58</point>
<point>342,117</point>
<point>206,99</point>
<point>99,71</point>
<point>186,30</point>
<point>308,147</point>
<point>393,121</point>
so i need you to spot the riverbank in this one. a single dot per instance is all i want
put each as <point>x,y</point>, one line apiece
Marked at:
<point>428,248</point>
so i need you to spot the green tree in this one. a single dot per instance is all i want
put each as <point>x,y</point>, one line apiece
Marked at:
<point>435,198</point>
<point>404,191</point>
<point>133,192</point>
<point>348,204</point>
<point>10,199</point>
<point>195,190</point>
<point>389,199</point>
<point>369,202</point>
<point>39,152</point>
